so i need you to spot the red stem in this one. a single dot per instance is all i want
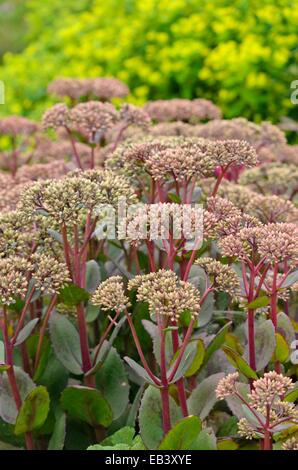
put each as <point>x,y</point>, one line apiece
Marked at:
<point>74,149</point>
<point>11,376</point>
<point>164,391</point>
<point>273,306</point>
<point>43,330</point>
<point>139,349</point>
<point>251,323</point>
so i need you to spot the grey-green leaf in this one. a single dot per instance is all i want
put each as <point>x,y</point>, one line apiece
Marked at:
<point>66,343</point>
<point>203,398</point>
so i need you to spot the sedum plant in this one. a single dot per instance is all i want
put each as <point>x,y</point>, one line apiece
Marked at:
<point>148,278</point>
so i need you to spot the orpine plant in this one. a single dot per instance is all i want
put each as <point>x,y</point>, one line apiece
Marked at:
<point>266,412</point>
<point>70,208</point>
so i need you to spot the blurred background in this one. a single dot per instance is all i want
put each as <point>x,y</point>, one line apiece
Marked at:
<point>240,54</point>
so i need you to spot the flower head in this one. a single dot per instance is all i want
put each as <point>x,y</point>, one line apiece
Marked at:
<point>93,119</point>
<point>17,125</point>
<point>290,444</point>
<point>182,110</point>
<point>165,294</point>
<point>110,295</point>
<point>227,386</point>
<point>14,278</point>
<point>132,115</point>
<point>55,117</point>
<point>237,152</point>
<point>222,277</point>
<point>49,274</point>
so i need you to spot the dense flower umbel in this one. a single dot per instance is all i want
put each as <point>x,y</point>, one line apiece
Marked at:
<point>264,401</point>
<point>93,119</point>
<point>76,194</point>
<point>14,278</point>
<point>258,135</point>
<point>132,115</point>
<point>239,152</point>
<point>182,110</point>
<point>101,88</point>
<point>110,295</point>
<point>49,275</point>
<point>222,277</point>
<point>174,157</point>
<point>71,87</point>
<point>55,117</point>
<point>227,386</point>
<point>290,444</point>
<point>275,178</point>
<point>17,125</point>
<point>279,242</point>
<point>272,209</point>
<point>166,294</point>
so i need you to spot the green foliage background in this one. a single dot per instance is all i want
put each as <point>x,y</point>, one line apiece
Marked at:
<point>242,54</point>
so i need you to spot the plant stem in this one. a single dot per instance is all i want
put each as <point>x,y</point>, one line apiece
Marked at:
<point>86,360</point>
<point>43,330</point>
<point>273,305</point>
<point>180,383</point>
<point>22,316</point>
<point>11,376</point>
<point>251,322</point>
<point>104,336</point>
<point>164,391</point>
<point>140,351</point>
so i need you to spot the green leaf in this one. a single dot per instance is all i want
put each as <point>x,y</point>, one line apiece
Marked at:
<point>152,330</point>
<point>55,235</point>
<point>185,363</point>
<point>139,370</point>
<point>72,295</point>
<point>205,441</point>
<point>34,411</point>
<point>111,380</point>
<point>239,363</point>
<point>227,444</point>
<point>134,408</point>
<point>174,198</point>
<point>92,313</point>
<point>58,436</point>
<point>259,302</point>
<point>198,359</point>
<point>181,436</point>
<point>8,409</point>
<point>206,311</point>
<point>125,435</point>
<point>292,396</point>
<point>106,448</point>
<point>87,404</point>
<point>264,344</point>
<point>285,327</point>
<point>203,398</point>
<point>282,351</point>
<point>216,342</point>
<point>290,279</point>
<point>66,343</point>
<point>26,331</point>
<point>150,417</point>
<point>93,276</point>
<point>229,427</point>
